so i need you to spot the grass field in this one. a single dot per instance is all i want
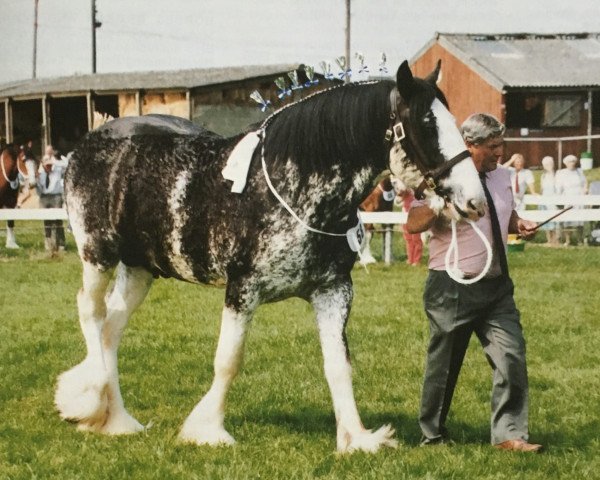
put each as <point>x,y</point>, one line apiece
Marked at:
<point>279,409</point>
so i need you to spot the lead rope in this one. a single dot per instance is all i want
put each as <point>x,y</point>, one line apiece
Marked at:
<point>289,209</point>
<point>453,271</point>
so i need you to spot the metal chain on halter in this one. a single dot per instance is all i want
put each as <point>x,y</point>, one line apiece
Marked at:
<point>268,120</point>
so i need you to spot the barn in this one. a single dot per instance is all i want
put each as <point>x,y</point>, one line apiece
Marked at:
<point>545,88</point>
<point>59,111</point>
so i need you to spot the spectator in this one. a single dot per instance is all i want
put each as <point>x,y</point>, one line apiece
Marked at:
<point>413,241</point>
<point>50,190</point>
<point>521,179</point>
<point>26,193</point>
<point>548,188</point>
<point>571,181</point>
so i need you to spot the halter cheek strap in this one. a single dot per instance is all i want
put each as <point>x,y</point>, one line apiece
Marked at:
<point>430,177</point>
<point>396,134</point>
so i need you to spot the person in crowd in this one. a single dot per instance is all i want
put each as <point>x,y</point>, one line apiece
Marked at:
<point>50,191</point>
<point>571,181</point>
<point>487,307</point>
<point>27,192</point>
<point>548,188</point>
<point>521,179</point>
<point>413,241</point>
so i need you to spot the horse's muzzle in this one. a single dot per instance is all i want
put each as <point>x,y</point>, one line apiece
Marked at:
<point>470,210</point>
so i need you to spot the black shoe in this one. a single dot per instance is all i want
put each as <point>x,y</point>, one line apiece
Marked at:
<point>426,442</point>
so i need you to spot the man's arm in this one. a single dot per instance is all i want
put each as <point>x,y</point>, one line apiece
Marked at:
<point>524,228</point>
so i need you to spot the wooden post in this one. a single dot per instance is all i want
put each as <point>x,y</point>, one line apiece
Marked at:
<point>8,120</point>
<point>188,99</point>
<point>589,121</point>
<point>46,123</point>
<point>90,110</point>
<point>387,244</point>
<point>560,150</point>
<point>138,102</point>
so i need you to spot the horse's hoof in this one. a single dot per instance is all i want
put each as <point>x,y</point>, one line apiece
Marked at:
<point>121,424</point>
<point>369,441</point>
<point>12,246</point>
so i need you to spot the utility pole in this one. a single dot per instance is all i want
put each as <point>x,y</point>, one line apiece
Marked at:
<point>95,25</point>
<point>35,29</point>
<point>347,39</point>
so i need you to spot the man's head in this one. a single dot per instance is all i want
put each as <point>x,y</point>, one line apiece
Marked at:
<point>483,136</point>
<point>49,151</point>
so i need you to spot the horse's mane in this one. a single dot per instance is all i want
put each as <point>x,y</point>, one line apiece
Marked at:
<point>336,126</point>
<point>343,125</point>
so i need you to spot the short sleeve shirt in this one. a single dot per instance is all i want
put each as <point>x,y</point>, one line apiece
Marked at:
<point>472,253</point>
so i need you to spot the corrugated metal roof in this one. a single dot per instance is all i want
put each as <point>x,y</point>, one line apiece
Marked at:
<point>175,79</point>
<point>529,59</point>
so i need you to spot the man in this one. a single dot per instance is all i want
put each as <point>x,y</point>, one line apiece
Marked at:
<point>50,191</point>
<point>486,307</point>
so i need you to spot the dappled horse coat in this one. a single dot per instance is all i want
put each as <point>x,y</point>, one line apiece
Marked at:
<point>146,198</point>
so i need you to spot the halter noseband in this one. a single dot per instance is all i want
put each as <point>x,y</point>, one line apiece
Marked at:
<point>396,134</point>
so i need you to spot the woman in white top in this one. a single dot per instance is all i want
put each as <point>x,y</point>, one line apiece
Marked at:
<point>521,179</point>
<point>571,181</point>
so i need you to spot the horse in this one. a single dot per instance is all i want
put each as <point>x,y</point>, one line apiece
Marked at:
<point>381,199</point>
<point>13,166</point>
<point>146,198</point>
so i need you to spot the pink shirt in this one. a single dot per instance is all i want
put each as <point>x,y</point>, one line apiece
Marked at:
<point>471,251</point>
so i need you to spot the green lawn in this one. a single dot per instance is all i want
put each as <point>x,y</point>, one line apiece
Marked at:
<point>279,409</point>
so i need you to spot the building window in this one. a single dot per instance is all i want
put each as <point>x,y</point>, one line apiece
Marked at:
<point>562,111</point>
<point>539,110</point>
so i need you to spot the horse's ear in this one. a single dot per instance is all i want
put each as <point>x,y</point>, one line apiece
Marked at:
<point>432,78</point>
<point>405,81</point>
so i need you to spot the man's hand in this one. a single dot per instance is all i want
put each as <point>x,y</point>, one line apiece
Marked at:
<point>526,229</point>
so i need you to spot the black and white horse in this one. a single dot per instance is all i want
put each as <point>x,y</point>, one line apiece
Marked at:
<point>146,197</point>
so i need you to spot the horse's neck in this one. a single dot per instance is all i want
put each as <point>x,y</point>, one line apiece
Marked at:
<point>338,194</point>
<point>9,165</point>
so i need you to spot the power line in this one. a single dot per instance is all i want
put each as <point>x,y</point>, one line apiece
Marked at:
<point>35,30</point>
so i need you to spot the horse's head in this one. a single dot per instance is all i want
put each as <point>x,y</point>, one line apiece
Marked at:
<point>428,152</point>
<point>27,168</point>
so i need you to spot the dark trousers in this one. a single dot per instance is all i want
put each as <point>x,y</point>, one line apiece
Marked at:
<point>53,229</point>
<point>455,311</point>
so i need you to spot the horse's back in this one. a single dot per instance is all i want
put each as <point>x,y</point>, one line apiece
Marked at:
<point>128,186</point>
<point>152,125</point>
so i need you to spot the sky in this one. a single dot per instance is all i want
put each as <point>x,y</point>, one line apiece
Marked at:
<point>142,35</point>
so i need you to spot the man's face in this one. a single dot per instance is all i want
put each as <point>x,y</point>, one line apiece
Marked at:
<point>488,154</point>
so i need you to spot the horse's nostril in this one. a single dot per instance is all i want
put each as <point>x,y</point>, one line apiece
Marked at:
<point>471,205</point>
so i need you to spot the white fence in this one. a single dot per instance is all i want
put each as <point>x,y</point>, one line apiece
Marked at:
<point>389,219</point>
